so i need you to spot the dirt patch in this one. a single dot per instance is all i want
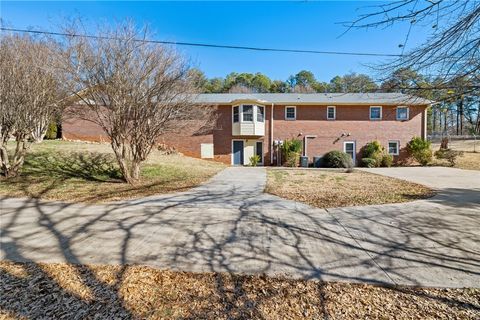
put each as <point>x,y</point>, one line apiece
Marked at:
<point>32,291</point>
<point>327,189</point>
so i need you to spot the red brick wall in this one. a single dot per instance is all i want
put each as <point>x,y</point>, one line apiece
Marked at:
<point>353,120</point>
<point>187,142</point>
<point>311,120</point>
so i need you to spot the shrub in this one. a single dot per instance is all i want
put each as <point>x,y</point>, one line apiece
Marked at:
<point>51,131</point>
<point>254,160</point>
<point>373,151</point>
<point>369,162</point>
<point>387,160</point>
<point>419,149</point>
<point>337,159</point>
<point>291,151</point>
<point>449,155</point>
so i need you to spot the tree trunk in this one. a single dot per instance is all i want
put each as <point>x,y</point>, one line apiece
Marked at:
<point>130,169</point>
<point>135,171</point>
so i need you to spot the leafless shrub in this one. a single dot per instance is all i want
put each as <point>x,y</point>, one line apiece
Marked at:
<point>29,96</point>
<point>135,90</point>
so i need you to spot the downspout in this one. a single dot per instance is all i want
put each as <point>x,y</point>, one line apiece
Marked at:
<point>271,135</point>
<point>425,122</point>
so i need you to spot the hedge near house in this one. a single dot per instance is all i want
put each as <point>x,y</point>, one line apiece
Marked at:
<point>419,149</point>
<point>337,159</point>
<point>291,150</point>
<point>374,155</point>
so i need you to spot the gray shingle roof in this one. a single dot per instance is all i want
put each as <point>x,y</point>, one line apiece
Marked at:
<point>314,98</point>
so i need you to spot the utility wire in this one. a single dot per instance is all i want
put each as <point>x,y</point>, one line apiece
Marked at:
<point>208,45</point>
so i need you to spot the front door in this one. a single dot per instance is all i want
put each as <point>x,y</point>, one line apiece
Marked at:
<point>259,151</point>
<point>237,152</point>
<point>349,148</point>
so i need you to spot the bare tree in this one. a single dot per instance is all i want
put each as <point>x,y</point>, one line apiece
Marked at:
<point>29,96</point>
<point>452,50</point>
<point>135,90</point>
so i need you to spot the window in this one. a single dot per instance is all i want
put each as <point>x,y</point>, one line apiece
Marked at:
<point>290,113</point>
<point>331,113</point>
<point>247,113</point>
<point>375,113</point>
<point>393,147</point>
<point>260,114</point>
<point>402,113</point>
<point>236,114</point>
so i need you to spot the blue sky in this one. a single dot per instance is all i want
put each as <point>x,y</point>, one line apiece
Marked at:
<point>292,25</point>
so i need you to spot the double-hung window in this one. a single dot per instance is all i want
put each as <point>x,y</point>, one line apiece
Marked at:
<point>393,147</point>
<point>290,113</point>
<point>402,113</point>
<point>247,113</point>
<point>331,113</point>
<point>260,114</point>
<point>375,113</point>
<point>236,114</point>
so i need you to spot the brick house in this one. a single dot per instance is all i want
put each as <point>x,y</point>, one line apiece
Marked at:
<point>249,124</point>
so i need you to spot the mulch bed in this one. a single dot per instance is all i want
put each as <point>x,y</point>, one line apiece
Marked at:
<point>30,290</point>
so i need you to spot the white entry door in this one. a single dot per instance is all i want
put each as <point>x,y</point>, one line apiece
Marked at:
<point>349,148</point>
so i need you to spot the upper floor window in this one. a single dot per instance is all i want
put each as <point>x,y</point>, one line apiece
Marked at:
<point>236,113</point>
<point>402,113</point>
<point>290,113</point>
<point>375,113</point>
<point>260,114</point>
<point>331,114</point>
<point>393,147</point>
<point>247,113</point>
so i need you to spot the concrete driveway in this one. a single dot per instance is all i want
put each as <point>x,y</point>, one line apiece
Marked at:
<point>230,225</point>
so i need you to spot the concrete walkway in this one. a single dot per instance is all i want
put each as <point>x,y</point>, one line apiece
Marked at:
<point>229,224</point>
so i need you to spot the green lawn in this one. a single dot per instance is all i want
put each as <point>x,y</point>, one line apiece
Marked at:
<point>80,171</point>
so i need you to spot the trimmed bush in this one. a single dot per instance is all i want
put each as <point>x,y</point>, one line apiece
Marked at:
<point>387,160</point>
<point>373,151</point>
<point>419,149</point>
<point>291,152</point>
<point>369,162</point>
<point>337,159</point>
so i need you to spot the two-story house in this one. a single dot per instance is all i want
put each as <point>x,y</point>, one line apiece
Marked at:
<point>249,124</point>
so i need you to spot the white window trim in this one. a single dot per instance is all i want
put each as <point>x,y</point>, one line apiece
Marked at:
<point>253,113</point>
<point>408,113</point>
<point>334,112</point>
<point>291,119</point>
<point>256,113</point>
<point>239,113</point>
<point>370,113</point>
<point>354,150</point>
<point>398,147</point>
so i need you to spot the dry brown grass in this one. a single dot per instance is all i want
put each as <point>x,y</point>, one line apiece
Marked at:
<point>469,161</point>
<point>33,291</point>
<point>78,171</point>
<point>327,189</point>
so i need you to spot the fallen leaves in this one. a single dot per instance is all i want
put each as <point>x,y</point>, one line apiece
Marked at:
<point>124,292</point>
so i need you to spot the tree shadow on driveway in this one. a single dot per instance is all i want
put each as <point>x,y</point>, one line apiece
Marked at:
<point>232,230</point>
